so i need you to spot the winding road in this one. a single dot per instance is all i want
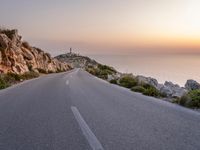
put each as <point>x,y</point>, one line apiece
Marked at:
<point>77,111</point>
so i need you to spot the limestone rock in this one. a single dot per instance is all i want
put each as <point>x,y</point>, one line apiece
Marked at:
<point>192,85</point>
<point>19,58</point>
<point>172,90</point>
<point>147,80</point>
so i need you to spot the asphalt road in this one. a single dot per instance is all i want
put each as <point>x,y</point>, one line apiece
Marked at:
<point>77,111</point>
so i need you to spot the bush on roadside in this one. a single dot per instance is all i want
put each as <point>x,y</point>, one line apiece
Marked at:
<point>128,82</point>
<point>103,74</point>
<point>101,71</point>
<point>91,71</point>
<point>191,99</point>
<point>139,89</point>
<point>3,83</point>
<point>42,71</point>
<point>29,75</point>
<point>151,91</point>
<point>106,68</point>
<point>13,76</point>
<point>113,81</point>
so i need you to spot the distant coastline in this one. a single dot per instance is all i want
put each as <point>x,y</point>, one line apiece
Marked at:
<point>178,68</point>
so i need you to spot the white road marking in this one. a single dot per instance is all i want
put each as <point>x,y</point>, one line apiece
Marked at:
<point>89,135</point>
<point>67,82</point>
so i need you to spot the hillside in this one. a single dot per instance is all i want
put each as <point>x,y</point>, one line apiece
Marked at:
<point>77,61</point>
<point>17,56</point>
<point>90,65</point>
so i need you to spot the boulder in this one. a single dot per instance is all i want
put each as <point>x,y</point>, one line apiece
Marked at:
<point>172,90</point>
<point>192,85</point>
<point>167,91</point>
<point>147,80</point>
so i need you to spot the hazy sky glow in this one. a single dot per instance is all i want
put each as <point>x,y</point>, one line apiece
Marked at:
<point>106,26</point>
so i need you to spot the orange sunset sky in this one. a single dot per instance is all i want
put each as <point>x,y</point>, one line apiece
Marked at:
<point>106,26</point>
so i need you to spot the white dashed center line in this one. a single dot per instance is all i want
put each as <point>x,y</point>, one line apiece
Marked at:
<point>89,135</point>
<point>67,82</point>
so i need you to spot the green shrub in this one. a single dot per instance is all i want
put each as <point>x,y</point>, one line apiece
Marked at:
<point>92,70</point>
<point>139,89</point>
<point>113,81</point>
<point>128,82</point>
<point>183,100</point>
<point>103,74</point>
<point>101,71</point>
<point>13,76</point>
<point>42,71</point>
<point>29,75</point>
<point>110,70</point>
<point>152,91</point>
<point>3,83</point>
<point>192,99</point>
<point>9,79</point>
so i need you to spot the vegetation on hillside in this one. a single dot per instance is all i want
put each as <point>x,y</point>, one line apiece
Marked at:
<point>101,71</point>
<point>127,82</point>
<point>131,83</point>
<point>9,79</point>
<point>191,99</point>
<point>151,91</point>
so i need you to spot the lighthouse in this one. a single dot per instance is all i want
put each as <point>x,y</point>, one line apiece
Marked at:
<point>70,50</point>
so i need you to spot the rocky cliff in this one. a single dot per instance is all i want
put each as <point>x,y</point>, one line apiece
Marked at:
<point>19,57</point>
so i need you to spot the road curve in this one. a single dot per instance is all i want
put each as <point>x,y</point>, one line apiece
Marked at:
<point>77,111</point>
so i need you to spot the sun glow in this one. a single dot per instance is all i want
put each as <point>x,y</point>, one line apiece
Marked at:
<point>121,25</point>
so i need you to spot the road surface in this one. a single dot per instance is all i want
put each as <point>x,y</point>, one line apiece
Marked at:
<point>77,111</point>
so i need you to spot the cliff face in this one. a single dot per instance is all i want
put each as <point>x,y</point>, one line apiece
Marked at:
<point>19,57</point>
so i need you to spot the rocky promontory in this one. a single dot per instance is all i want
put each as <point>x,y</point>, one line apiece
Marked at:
<point>76,60</point>
<point>90,65</point>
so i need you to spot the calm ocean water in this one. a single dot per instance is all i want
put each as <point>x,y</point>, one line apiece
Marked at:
<point>175,68</point>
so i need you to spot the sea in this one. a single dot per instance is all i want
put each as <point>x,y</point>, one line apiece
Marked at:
<point>177,68</point>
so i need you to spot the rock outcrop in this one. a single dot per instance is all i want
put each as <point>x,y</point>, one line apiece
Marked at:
<point>147,80</point>
<point>172,90</point>
<point>168,88</point>
<point>19,57</point>
<point>77,61</point>
<point>192,85</point>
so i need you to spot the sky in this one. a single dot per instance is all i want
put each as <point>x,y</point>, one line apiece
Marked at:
<point>106,26</point>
